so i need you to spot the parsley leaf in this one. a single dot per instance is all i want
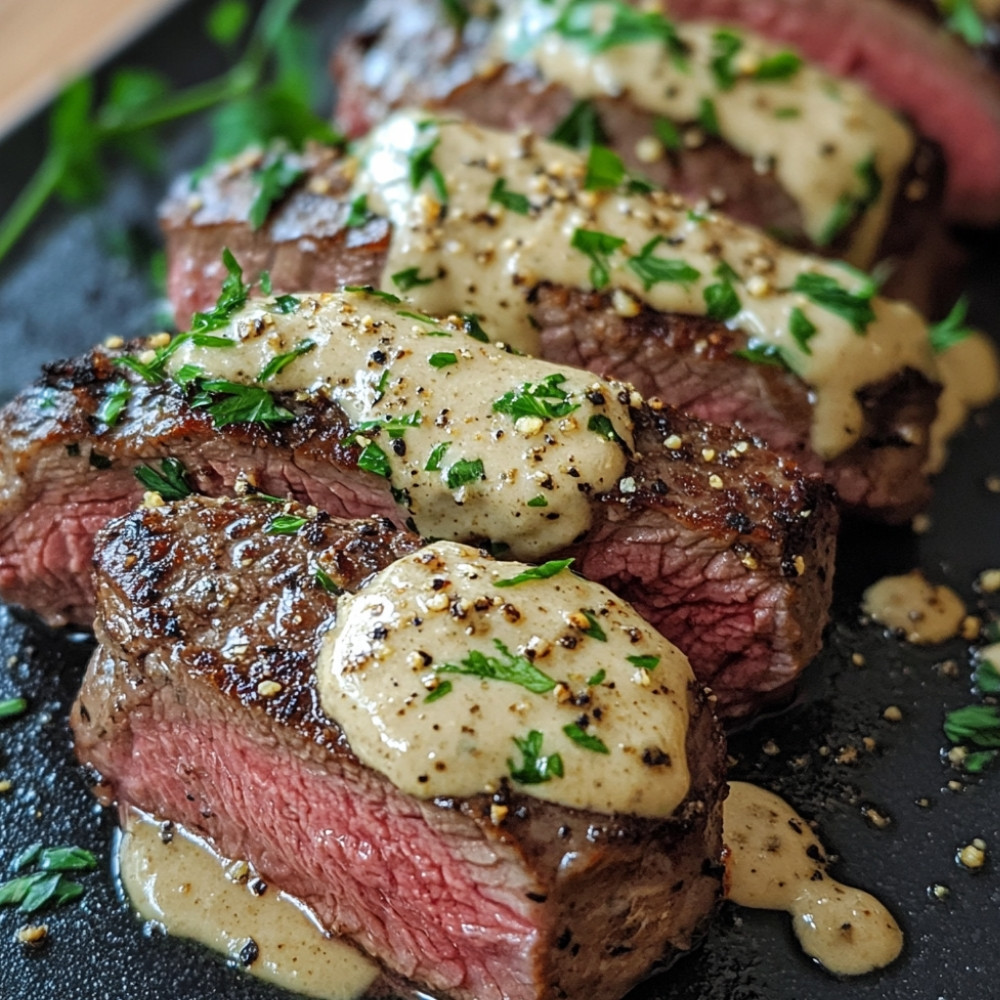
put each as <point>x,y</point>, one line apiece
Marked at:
<point>457,12</point>
<point>584,739</point>
<point>11,708</point>
<point>581,128</point>
<point>667,132</point>
<point>239,404</point>
<point>471,325</point>
<point>780,66</point>
<point>952,329</point>
<point>597,246</point>
<point>285,524</point>
<point>964,20</point>
<point>802,329</point>
<point>115,400</point>
<point>423,167</point>
<point>538,501</point>
<point>644,662</point>
<point>830,295</point>
<point>725,45</point>
<point>325,581</point>
<point>170,482</point>
<point>507,667</point>
<point>375,293</point>
<point>410,278</point>
<point>509,199</point>
<point>977,724</point>
<point>850,206</point>
<point>597,678</point>
<point>281,361</point>
<point>437,453</point>
<point>439,692</point>
<point>708,117</point>
<point>602,425</point>
<point>651,270</point>
<point>721,299</point>
<point>464,471</point>
<point>605,169</point>
<point>442,359</point>
<point>32,892</point>
<point>358,214</point>
<point>534,400</point>
<point>628,26</point>
<point>274,182</point>
<point>543,572</point>
<point>593,628</point>
<point>374,459</point>
<point>232,298</point>
<point>535,769</point>
<point>760,352</point>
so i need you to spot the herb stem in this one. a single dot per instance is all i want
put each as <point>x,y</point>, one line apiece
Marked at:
<point>30,201</point>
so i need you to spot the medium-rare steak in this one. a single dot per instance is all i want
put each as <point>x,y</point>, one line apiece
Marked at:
<point>415,57</point>
<point>695,363</point>
<point>721,544</point>
<point>200,705</point>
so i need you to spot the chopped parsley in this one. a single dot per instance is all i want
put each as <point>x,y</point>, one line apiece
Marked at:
<point>598,247</point>
<point>274,182</point>
<point>535,769</point>
<point>325,581</point>
<point>442,359</point>
<point>423,167</point>
<point>549,569</point>
<point>231,403</point>
<point>850,206</point>
<point>987,677</point>
<point>282,361</point>
<point>285,524</point>
<point>597,678</point>
<point>464,471</point>
<point>781,66</point>
<point>605,170</point>
<point>593,628</point>
<point>962,18</point>
<point>759,352</point>
<point>538,501</point>
<point>170,482</point>
<point>509,199</point>
<point>358,214</point>
<point>722,301</point>
<point>471,325</point>
<point>232,297</point>
<point>952,329</point>
<point>375,293</point>
<point>725,46</point>
<point>581,128</point>
<point>395,427</point>
<point>829,294</point>
<point>543,399</point>
<point>286,304</point>
<point>11,708</point>
<point>651,270</point>
<point>977,724</point>
<point>457,13</point>
<point>787,112</point>
<point>507,667</point>
<point>644,662</point>
<point>49,885</point>
<point>708,117</point>
<point>410,278</point>
<point>584,739</point>
<point>802,329</point>
<point>668,133</point>
<point>440,691</point>
<point>115,399</point>
<point>374,459</point>
<point>56,859</point>
<point>602,425</point>
<point>437,453</point>
<point>629,26</point>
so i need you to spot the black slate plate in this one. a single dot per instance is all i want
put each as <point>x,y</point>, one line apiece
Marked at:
<point>70,285</point>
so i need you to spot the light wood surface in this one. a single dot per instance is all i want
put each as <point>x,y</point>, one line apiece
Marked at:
<point>44,43</point>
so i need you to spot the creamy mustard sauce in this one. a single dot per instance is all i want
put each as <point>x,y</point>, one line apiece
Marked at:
<point>823,135</point>
<point>776,863</point>
<point>438,183</point>
<point>926,613</point>
<point>183,886</point>
<point>448,682</point>
<point>476,442</point>
<point>970,377</point>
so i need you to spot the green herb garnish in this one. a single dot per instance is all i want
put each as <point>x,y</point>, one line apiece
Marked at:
<point>597,246</point>
<point>170,482</point>
<point>410,278</point>
<point>667,132</point>
<point>952,329</point>
<point>232,297</point>
<point>231,403</point>
<point>581,128</point>
<point>977,724</point>
<point>708,117</point>
<point>597,678</point>
<point>535,768</point>
<point>440,691</point>
<point>801,329</point>
<point>543,572</point>
<point>721,299</point>
<point>584,739</point>
<point>605,170</point>
<point>442,359</point>
<point>423,167</point>
<point>464,471</point>
<point>375,293</point>
<point>651,270</point>
<point>760,352</point>
<point>593,628</point>
<point>507,667</point>
<point>543,399</point>
<point>987,677</point>
<point>509,199</point>
<point>964,20</point>
<point>358,214</point>
<point>644,662</point>
<point>325,581</point>
<point>628,26</point>
<point>282,361</point>
<point>286,304</point>
<point>830,295</point>
<point>471,325</point>
<point>849,206</point>
<point>538,501</point>
<point>274,182</point>
<point>115,400</point>
<point>603,426</point>
<point>11,708</point>
<point>437,453</point>
<point>48,885</point>
<point>56,859</point>
<point>374,459</point>
<point>725,46</point>
<point>781,66</point>
<point>285,524</point>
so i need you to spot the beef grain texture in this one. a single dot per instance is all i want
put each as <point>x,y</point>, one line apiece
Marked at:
<point>412,56</point>
<point>683,360</point>
<point>551,903</point>
<point>738,577</point>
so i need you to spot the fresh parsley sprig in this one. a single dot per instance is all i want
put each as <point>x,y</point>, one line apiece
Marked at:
<point>505,667</point>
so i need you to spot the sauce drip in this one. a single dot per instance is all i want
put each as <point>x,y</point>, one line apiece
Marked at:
<point>776,863</point>
<point>926,613</point>
<point>439,183</point>
<point>182,886</point>
<point>439,674</point>
<point>834,149</point>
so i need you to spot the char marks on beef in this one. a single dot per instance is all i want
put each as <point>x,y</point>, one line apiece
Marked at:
<point>547,903</point>
<point>737,575</point>
<point>686,361</point>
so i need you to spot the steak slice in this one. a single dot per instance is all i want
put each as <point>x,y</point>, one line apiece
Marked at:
<point>413,57</point>
<point>688,362</point>
<point>723,545</point>
<point>197,606</point>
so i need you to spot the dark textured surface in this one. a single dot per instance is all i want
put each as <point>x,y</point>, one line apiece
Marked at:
<point>63,291</point>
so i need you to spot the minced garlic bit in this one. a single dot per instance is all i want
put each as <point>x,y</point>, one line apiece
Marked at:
<point>268,689</point>
<point>973,855</point>
<point>32,934</point>
<point>989,581</point>
<point>893,713</point>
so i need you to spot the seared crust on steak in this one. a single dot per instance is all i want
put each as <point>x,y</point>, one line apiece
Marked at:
<point>495,897</point>
<point>684,360</point>
<point>413,56</point>
<point>731,556</point>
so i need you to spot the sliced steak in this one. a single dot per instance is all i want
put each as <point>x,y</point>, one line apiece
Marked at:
<point>495,897</point>
<point>723,545</point>
<point>685,361</point>
<point>414,57</point>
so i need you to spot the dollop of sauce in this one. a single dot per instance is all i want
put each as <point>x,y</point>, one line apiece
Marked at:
<point>183,886</point>
<point>924,612</point>
<point>481,217</point>
<point>777,863</point>
<point>451,673</point>
<point>835,150</point>
<point>970,378</point>
<point>475,441</point>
